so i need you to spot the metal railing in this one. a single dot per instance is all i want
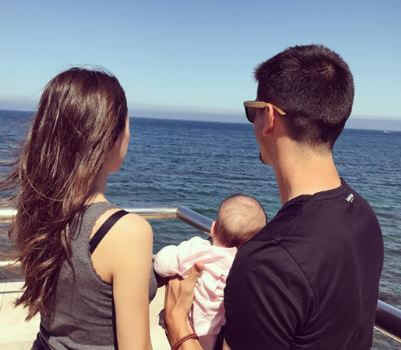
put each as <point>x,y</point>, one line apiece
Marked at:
<point>190,217</point>
<point>388,318</point>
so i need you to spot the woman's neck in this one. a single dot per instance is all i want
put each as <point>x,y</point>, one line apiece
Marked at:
<point>99,189</point>
<point>97,197</point>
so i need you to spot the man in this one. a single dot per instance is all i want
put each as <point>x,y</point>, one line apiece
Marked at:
<point>309,279</point>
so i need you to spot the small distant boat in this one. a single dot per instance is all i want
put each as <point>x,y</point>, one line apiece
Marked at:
<point>387,132</point>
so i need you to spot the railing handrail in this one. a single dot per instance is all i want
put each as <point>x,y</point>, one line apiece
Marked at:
<point>153,213</point>
<point>388,318</point>
<point>184,214</point>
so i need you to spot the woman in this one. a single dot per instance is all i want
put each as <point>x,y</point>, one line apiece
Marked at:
<point>91,293</point>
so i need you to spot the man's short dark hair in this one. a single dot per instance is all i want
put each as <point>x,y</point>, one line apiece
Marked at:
<point>314,86</point>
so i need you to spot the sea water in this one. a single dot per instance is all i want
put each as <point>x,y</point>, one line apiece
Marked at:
<point>197,164</point>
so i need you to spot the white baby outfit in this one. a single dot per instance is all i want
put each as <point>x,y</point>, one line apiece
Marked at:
<point>207,316</point>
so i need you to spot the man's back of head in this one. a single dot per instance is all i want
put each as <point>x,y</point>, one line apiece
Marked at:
<point>315,88</point>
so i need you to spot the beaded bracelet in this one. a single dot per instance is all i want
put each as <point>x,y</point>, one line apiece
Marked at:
<point>183,340</point>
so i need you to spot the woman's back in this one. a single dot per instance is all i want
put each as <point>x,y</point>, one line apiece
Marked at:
<point>83,313</point>
<point>83,302</point>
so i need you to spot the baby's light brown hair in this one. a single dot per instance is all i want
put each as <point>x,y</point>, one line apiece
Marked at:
<point>239,218</point>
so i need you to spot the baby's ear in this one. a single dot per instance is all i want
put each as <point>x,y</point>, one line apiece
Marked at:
<point>213,228</point>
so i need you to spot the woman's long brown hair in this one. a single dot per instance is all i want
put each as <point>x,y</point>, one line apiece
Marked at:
<point>80,115</point>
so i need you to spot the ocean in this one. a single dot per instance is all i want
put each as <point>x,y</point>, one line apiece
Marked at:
<point>197,164</point>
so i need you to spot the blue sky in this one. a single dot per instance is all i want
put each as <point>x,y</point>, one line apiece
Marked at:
<point>180,58</point>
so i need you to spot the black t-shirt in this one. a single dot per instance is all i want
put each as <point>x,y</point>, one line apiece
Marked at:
<point>309,279</point>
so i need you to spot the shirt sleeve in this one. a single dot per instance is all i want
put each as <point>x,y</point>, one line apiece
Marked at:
<point>266,298</point>
<point>171,260</point>
<point>166,262</point>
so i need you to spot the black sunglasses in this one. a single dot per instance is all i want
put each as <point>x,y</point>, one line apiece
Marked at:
<point>250,109</point>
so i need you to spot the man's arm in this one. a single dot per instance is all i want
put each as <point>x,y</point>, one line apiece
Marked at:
<point>177,303</point>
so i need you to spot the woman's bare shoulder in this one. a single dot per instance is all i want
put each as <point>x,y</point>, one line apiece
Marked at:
<point>129,225</point>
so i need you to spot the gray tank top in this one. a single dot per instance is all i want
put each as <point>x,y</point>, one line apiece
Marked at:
<point>83,316</point>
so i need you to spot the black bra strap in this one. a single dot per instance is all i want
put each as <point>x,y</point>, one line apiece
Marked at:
<point>101,232</point>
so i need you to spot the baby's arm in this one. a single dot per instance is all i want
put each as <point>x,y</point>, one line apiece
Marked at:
<point>170,260</point>
<point>166,261</point>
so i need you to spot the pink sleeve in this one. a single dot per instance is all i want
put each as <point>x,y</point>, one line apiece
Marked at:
<point>166,263</point>
<point>173,260</point>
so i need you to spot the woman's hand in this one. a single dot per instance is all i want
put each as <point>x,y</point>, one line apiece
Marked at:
<point>177,304</point>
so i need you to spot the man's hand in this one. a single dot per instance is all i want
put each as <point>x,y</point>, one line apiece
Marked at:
<point>177,304</point>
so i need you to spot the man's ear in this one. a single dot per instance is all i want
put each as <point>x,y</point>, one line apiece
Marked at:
<point>268,120</point>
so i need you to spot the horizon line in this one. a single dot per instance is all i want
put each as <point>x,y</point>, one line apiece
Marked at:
<point>206,113</point>
<point>354,120</point>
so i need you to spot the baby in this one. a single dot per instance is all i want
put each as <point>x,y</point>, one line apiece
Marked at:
<point>239,218</point>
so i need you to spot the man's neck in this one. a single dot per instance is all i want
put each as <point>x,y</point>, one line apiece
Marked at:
<point>304,171</point>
